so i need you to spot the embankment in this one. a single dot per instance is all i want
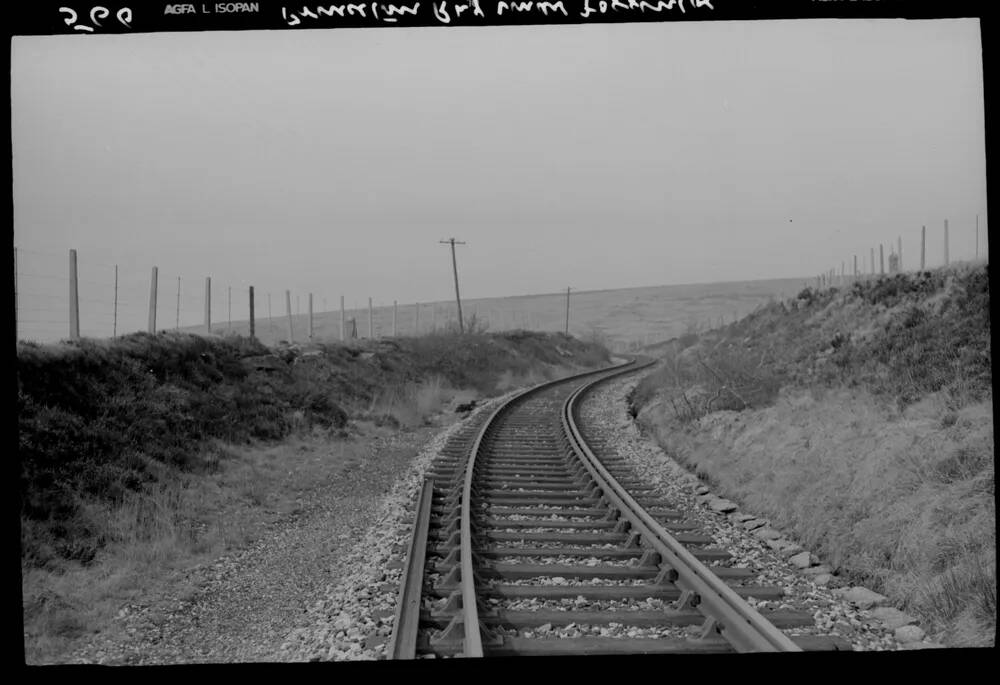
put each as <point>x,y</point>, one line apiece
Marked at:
<point>860,420</point>
<point>99,421</point>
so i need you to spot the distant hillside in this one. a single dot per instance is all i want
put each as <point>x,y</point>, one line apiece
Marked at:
<point>623,317</point>
<point>860,419</point>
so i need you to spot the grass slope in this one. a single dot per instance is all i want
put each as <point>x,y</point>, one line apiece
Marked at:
<point>861,420</point>
<point>98,420</point>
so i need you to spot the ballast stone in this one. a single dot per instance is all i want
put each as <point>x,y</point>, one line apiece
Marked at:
<point>802,560</point>
<point>722,505</point>
<point>862,596</point>
<point>907,634</point>
<point>892,618</point>
<point>766,533</point>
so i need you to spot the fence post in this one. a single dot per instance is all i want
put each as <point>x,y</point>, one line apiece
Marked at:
<point>177,321</point>
<point>855,267</point>
<point>152,303</point>
<point>946,242</point>
<point>394,318</point>
<point>288,310</point>
<point>416,319</point>
<point>371,320</point>
<point>881,260</point>
<point>873,261</point>
<point>899,253</point>
<point>923,245</point>
<point>229,290</point>
<point>208,304</point>
<point>343,331</point>
<point>114,321</point>
<point>567,310</point>
<point>251,314</point>
<point>310,316</point>
<point>74,299</point>
<point>17,303</point>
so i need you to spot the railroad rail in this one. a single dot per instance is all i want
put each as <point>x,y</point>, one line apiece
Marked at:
<point>527,541</point>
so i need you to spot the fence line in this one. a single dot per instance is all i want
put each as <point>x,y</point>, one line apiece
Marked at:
<point>893,264</point>
<point>112,307</point>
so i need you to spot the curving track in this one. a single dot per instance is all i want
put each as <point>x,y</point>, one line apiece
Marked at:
<point>527,542</point>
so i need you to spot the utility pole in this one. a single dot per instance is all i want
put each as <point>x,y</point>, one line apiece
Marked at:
<point>946,242</point>
<point>454,266</point>
<point>152,302</point>
<point>923,246</point>
<point>251,314</point>
<point>567,310</point>
<point>74,299</point>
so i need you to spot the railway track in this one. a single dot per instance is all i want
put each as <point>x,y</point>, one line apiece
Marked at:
<point>527,541</point>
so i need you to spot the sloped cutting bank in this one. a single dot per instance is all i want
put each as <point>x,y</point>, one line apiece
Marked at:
<point>859,419</point>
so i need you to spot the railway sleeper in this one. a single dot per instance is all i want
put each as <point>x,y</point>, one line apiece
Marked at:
<point>582,538</point>
<point>492,570</point>
<point>664,591</point>
<point>640,618</point>
<point>555,646</point>
<point>521,646</point>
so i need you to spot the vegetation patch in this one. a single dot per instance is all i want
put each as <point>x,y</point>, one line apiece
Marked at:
<point>99,421</point>
<point>861,420</point>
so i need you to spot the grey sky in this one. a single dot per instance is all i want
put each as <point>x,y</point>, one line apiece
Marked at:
<point>592,156</point>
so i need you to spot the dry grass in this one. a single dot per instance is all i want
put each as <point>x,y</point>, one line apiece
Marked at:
<point>174,524</point>
<point>412,404</point>
<point>862,422</point>
<point>900,502</point>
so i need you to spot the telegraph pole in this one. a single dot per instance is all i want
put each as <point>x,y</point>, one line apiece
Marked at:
<point>454,266</point>
<point>567,310</point>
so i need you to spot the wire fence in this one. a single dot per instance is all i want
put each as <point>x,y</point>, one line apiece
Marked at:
<point>114,300</point>
<point>118,299</point>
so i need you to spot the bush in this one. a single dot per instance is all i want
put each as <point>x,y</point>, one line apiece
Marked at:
<point>100,419</point>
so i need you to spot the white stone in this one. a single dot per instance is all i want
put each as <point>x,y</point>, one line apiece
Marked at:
<point>801,560</point>
<point>791,550</point>
<point>862,596</point>
<point>722,505</point>
<point>907,634</point>
<point>823,579</point>
<point>892,618</point>
<point>766,533</point>
<point>753,523</point>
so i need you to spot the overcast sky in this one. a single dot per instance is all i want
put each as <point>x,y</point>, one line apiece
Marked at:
<point>597,156</point>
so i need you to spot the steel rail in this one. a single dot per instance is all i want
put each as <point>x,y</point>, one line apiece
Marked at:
<point>738,622</point>
<point>473,645</point>
<point>403,644</point>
